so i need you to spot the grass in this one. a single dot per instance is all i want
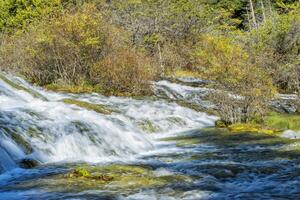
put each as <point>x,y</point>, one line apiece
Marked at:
<point>95,107</point>
<point>273,123</point>
<point>283,121</point>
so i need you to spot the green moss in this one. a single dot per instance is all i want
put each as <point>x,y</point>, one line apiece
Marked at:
<point>283,121</point>
<point>22,142</point>
<point>220,124</point>
<point>95,107</point>
<point>108,177</point>
<point>17,138</point>
<point>251,128</point>
<point>147,126</point>
<point>224,137</point>
<point>19,87</point>
<point>80,172</point>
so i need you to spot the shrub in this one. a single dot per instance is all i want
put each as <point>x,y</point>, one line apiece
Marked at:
<point>63,48</point>
<point>122,73</point>
<point>77,48</point>
<point>17,14</point>
<point>245,87</point>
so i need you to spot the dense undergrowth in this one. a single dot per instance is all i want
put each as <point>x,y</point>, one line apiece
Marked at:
<point>119,47</point>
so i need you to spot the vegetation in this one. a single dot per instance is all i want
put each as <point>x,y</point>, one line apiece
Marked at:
<point>95,107</point>
<point>250,49</point>
<point>107,177</point>
<point>283,121</point>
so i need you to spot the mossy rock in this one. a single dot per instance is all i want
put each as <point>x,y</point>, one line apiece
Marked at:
<point>19,140</point>
<point>84,173</point>
<point>95,107</point>
<point>220,124</point>
<point>115,177</point>
<point>148,127</point>
<point>19,87</point>
<point>22,143</point>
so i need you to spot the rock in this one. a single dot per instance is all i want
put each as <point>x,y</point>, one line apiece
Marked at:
<point>28,163</point>
<point>220,124</point>
<point>80,172</point>
<point>102,177</point>
<point>286,103</point>
<point>84,173</point>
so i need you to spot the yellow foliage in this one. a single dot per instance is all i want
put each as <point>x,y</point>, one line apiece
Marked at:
<point>250,128</point>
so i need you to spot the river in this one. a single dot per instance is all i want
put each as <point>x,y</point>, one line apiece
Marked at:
<point>154,148</point>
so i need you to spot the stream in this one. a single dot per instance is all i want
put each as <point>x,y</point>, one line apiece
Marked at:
<point>154,148</point>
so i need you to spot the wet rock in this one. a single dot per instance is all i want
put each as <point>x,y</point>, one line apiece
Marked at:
<point>89,106</point>
<point>286,103</point>
<point>84,173</point>
<point>192,81</point>
<point>22,143</point>
<point>220,124</point>
<point>28,163</point>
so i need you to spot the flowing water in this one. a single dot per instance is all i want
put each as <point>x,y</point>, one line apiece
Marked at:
<point>153,149</point>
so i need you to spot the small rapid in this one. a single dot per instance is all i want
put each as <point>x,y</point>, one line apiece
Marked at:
<point>151,148</point>
<point>39,125</point>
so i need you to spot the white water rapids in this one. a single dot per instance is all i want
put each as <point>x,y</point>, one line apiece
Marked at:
<point>37,124</point>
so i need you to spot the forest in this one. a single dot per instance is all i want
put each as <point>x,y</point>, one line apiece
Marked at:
<point>250,48</point>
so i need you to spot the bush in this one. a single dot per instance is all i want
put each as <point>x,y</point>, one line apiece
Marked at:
<point>63,48</point>
<point>122,73</point>
<point>244,88</point>
<point>17,14</point>
<point>78,48</point>
<point>275,47</point>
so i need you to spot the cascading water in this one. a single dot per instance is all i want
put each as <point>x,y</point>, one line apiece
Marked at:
<point>145,149</point>
<point>39,125</point>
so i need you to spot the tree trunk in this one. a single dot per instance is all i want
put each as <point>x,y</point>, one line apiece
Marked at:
<point>263,10</point>
<point>253,14</point>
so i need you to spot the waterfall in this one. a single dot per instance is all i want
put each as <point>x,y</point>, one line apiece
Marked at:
<point>39,125</point>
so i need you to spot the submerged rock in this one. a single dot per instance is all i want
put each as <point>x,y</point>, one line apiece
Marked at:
<point>84,173</point>
<point>95,107</point>
<point>28,163</point>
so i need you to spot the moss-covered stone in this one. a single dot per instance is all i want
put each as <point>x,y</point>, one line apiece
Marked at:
<point>18,139</point>
<point>95,107</point>
<point>220,124</point>
<point>22,142</point>
<point>19,87</point>
<point>148,127</point>
<point>113,177</point>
